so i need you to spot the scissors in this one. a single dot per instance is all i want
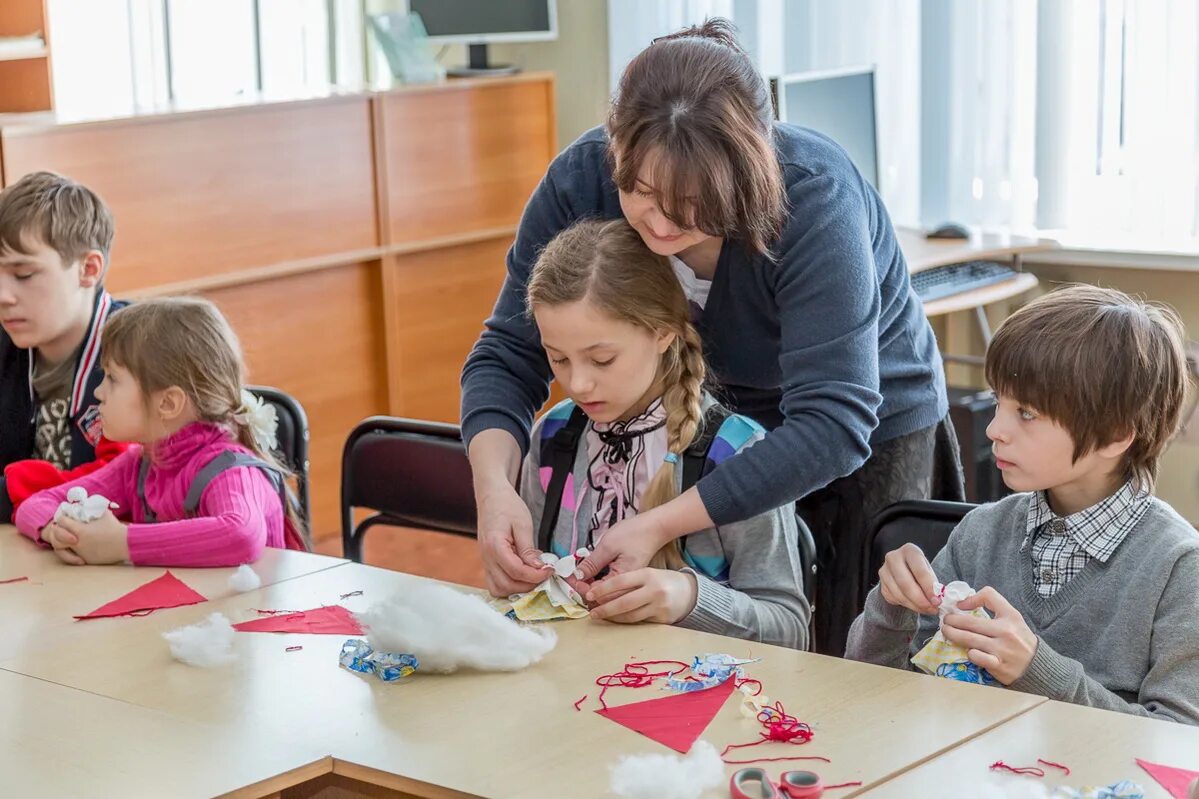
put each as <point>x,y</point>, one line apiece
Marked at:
<point>754,783</point>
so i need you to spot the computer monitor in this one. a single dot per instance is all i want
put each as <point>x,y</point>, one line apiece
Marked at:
<point>477,23</point>
<point>839,104</point>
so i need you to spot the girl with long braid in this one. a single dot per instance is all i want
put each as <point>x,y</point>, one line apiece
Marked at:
<point>617,330</point>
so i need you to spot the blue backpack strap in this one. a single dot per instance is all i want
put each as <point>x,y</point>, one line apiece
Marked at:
<point>143,468</point>
<point>561,457</point>
<point>696,454</point>
<point>230,459</point>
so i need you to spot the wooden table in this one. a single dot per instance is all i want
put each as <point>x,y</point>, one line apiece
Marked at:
<point>57,741</point>
<point>475,734</point>
<point>1098,746</point>
<point>41,610</point>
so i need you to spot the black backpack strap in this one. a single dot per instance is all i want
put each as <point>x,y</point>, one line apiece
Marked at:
<point>562,460</point>
<point>230,459</point>
<point>143,468</point>
<point>696,454</point>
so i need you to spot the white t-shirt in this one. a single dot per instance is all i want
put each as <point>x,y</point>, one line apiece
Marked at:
<point>695,288</point>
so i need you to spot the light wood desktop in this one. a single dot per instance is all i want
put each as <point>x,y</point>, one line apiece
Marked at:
<point>57,741</point>
<point>503,734</point>
<point>1099,747</point>
<point>41,610</point>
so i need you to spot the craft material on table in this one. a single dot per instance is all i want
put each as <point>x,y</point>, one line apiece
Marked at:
<point>552,599</point>
<point>659,776</point>
<point>167,591</point>
<point>446,630</point>
<point>328,620</point>
<point>206,644</point>
<point>357,655</point>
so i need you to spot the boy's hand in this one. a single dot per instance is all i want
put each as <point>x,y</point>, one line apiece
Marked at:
<point>906,579</point>
<point>100,542</point>
<point>657,595</point>
<point>1003,645</point>
<point>62,541</point>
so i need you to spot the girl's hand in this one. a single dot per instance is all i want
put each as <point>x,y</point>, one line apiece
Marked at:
<point>100,542</point>
<point>657,595</point>
<point>62,541</point>
<point>510,561</point>
<point>906,579</point>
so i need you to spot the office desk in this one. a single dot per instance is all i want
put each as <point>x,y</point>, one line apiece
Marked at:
<point>505,735</point>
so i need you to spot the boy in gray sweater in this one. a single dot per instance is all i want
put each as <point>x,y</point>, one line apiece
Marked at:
<point>1090,582</point>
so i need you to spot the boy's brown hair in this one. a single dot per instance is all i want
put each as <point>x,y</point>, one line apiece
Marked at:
<point>66,216</point>
<point>1101,364</point>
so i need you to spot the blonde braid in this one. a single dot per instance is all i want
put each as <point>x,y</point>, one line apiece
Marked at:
<point>682,399</point>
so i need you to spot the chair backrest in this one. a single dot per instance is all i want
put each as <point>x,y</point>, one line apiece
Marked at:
<point>414,472</point>
<point>926,523</point>
<point>292,438</point>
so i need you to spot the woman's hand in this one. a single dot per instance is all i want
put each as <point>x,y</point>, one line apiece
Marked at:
<point>657,595</point>
<point>510,561</point>
<point>630,544</point>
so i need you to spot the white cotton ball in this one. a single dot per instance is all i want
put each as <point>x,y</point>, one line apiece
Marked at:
<point>668,776</point>
<point>244,579</point>
<point>207,644</point>
<point>447,630</point>
<point>76,494</point>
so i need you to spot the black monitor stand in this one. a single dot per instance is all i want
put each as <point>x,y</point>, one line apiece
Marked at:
<point>479,67</point>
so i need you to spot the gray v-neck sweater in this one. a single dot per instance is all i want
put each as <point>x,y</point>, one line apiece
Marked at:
<point>1121,635</point>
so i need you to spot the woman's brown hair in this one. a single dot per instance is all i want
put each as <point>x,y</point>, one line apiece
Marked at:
<point>186,342</point>
<point>609,265</point>
<point>693,110</point>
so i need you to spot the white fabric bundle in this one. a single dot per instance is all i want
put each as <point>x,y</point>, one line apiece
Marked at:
<point>206,644</point>
<point>82,508</point>
<point>668,776</point>
<point>447,630</point>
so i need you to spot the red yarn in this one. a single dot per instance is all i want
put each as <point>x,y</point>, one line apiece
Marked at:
<point>581,700</point>
<point>13,580</point>
<point>843,785</point>
<point>1031,771</point>
<point>636,675</point>
<point>773,759</point>
<point>1055,765</point>
<point>781,727</point>
<point>293,649</point>
<point>755,682</point>
<point>273,612</point>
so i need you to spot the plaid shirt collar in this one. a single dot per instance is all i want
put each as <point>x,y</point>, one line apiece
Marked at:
<point>1099,529</point>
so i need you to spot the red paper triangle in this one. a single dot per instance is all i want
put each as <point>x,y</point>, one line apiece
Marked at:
<point>675,721</point>
<point>168,591</point>
<point>1173,779</point>
<point>330,620</point>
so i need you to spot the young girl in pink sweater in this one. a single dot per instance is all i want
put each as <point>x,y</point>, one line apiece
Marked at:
<point>202,488</point>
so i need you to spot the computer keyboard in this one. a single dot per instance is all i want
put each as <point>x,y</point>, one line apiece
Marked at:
<point>944,281</point>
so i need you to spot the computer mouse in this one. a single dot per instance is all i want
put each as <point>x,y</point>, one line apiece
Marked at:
<point>948,230</point>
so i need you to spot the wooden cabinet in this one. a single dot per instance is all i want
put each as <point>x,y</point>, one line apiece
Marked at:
<point>356,241</point>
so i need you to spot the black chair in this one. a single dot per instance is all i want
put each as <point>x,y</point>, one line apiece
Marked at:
<point>292,441</point>
<point>926,523</point>
<point>411,473</point>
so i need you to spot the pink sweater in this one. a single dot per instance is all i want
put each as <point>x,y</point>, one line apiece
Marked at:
<point>240,511</point>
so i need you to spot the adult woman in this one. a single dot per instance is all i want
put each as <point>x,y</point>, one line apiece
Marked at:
<point>802,300</point>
